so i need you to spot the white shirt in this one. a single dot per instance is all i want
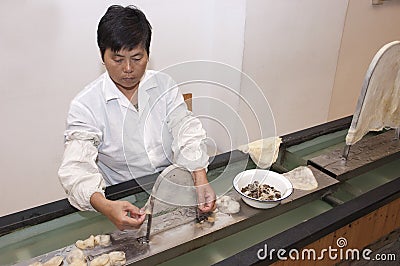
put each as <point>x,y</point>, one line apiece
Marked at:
<point>108,141</point>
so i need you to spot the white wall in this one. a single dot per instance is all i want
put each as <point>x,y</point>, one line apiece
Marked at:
<point>291,50</point>
<point>48,54</point>
<point>186,31</point>
<point>367,29</point>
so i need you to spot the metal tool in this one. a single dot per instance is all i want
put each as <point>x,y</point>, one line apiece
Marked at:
<point>346,151</point>
<point>146,239</point>
<point>171,179</point>
<point>201,217</point>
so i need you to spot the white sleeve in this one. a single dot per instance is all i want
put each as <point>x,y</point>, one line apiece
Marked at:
<point>78,173</point>
<point>188,143</point>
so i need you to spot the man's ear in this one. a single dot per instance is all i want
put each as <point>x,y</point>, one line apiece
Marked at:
<point>101,56</point>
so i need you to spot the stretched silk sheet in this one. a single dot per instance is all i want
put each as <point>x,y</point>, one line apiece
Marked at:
<point>378,106</point>
<point>263,152</point>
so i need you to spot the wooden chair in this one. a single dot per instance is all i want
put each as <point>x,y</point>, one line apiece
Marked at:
<point>212,151</point>
<point>188,100</point>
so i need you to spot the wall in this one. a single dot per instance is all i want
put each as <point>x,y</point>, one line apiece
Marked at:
<point>48,54</point>
<point>192,40</point>
<point>366,30</point>
<point>291,50</point>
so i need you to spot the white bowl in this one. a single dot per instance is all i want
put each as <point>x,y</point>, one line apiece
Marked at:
<point>270,178</point>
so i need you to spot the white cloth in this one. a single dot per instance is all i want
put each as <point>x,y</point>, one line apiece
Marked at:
<point>380,95</point>
<point>302,178</point>
<point>263,152</point>
<point>107,141</point>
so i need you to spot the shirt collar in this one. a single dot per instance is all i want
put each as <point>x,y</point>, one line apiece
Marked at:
<point>148,81</point>
<point>111,91</point>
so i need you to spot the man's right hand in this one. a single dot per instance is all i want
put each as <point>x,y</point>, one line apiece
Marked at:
<point>121,213</point>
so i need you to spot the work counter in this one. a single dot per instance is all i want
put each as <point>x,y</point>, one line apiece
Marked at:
<point>342,206</point>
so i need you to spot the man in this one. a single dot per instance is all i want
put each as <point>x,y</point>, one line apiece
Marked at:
<point>129,122</point>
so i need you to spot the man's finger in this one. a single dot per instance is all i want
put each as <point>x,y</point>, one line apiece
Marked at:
<point>134,222</point>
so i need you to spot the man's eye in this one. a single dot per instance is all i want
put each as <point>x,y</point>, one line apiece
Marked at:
<point>137,59</point>
<point>118,60</point>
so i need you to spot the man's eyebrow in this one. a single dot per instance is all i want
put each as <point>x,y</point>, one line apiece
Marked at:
<point>137,54</point>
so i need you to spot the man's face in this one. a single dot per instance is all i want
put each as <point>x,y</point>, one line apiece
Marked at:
<point>126,68</point>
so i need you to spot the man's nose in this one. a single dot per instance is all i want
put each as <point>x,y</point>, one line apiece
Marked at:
<point>128,67</point>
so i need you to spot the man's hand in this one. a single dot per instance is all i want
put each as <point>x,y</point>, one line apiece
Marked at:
<point>121,213</point>
<point>205,193</point>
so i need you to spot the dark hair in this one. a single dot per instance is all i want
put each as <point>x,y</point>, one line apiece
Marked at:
<point>123,28</point>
